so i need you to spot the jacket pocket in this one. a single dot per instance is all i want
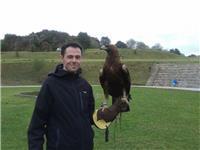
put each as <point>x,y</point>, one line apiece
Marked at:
<point>84,98</point>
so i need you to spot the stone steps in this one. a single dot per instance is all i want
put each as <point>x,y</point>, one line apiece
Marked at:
<point>186,75</point>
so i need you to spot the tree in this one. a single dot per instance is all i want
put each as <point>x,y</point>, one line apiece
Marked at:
<point>34,41</point>
<point>51,40</point>
<point>131,43</point>
<point>104,40</point>
<point>84,39</point>
<point>45,46</point>
<point>141,45</point>
<point>9,42</point>
<point>94,42</point>
<point>157,46</point>
<point>121,44</point>
<point>46,40</point>
<point>175,51</point>
<point>1,44</point>
<point>192,55</point>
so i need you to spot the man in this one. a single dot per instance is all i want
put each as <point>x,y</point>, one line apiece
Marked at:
<point>64,107</point>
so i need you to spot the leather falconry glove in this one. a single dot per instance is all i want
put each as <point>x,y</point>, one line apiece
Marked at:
<point>109,114</point>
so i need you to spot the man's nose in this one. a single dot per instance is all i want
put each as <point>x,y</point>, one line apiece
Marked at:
<point>73,59</point>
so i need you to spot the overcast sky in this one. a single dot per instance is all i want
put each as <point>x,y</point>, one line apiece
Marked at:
<point>172,23</point>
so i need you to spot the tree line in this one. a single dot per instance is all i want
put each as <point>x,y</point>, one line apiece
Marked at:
<point>51,40</point>
<point>45,40</point>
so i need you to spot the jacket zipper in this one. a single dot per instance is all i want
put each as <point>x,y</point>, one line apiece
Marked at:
<point>81,103</point>
<point>81,100</point>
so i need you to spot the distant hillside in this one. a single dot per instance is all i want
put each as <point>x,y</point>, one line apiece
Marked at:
<point>126,54</point>
<point>24,68</point>
<point>134,54</point>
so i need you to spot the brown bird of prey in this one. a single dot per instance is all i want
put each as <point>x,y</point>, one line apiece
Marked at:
<point>115,81</point>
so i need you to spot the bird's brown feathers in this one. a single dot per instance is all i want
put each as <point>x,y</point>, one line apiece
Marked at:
<point>115,75</point>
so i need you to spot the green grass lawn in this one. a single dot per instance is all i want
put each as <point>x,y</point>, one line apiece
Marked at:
<point>159,119</point>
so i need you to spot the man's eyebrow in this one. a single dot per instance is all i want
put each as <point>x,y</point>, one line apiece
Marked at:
<point>74,55</point>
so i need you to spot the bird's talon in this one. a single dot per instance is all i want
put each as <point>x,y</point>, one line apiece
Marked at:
<point>103,104</point>
<point>104,107</point>
<point>124,99</point>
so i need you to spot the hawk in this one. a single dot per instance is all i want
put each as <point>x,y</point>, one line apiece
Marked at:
<point>116,82</point>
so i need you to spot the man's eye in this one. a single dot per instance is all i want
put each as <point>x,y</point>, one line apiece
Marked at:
<point>77,57</point>
<point>69,56</point>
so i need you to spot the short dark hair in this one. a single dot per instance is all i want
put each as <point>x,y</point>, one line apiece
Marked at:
<point>73,44</point>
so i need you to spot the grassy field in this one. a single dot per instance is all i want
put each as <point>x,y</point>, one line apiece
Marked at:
<point>97,55</point>
<point>33,67</point>
<point>159,119</point>
<point>91,54</point>
<point>36,72</point>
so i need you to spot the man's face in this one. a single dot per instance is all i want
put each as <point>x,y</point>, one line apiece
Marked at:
<point>71,59</point>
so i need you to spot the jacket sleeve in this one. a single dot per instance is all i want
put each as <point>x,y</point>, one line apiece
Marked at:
<point>91,105</point>
<point>39,119</point>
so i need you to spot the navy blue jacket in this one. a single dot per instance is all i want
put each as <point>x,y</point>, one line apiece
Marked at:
<point>63,113</point>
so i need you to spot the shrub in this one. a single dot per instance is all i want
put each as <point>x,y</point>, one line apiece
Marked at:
<point>38,64</point>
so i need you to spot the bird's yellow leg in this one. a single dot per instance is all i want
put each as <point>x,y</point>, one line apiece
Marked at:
<point>104,103</point>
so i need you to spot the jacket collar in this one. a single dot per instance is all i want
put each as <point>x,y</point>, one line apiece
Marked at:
<point>60,72</point>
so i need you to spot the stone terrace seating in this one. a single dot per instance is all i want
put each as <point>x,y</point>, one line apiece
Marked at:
<point>183,75</point>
